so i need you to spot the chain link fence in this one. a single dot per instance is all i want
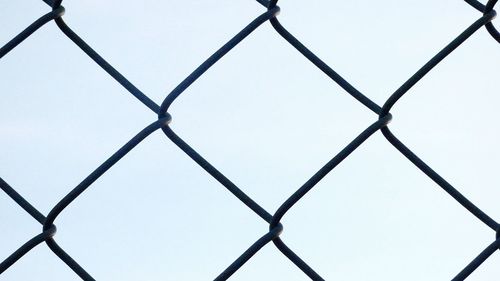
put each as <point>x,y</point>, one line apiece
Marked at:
<point>164,119</point>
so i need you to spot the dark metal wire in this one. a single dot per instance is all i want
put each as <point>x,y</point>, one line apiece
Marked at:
<point>164,119</point>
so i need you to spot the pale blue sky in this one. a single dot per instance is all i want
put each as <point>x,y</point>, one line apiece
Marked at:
<point>265,117</point>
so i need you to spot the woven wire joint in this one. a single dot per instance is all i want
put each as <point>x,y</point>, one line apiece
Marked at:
<point>164,119</point>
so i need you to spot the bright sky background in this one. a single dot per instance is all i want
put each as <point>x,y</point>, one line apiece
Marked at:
<point>265,117</point>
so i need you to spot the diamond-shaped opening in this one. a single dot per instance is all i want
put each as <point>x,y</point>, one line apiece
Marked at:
<point>365,221</point>
<point>377,45</point>
<point>156,46</point>
<point>156,214</point>
<point>247,111</point>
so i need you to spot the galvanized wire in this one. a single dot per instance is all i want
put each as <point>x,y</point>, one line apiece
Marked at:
<point>164,119</point>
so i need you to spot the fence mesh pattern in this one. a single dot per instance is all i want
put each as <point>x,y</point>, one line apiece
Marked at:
<point>164,119</point>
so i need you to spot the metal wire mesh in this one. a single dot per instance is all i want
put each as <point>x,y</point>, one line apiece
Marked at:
<point>164,118</point>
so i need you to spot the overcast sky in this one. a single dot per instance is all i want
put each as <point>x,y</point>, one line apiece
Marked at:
<point>266,118</point>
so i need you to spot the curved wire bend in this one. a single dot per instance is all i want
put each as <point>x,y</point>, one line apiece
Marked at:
<point>54,14</point>
<point>485,9</point>
<point>489,26</point>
